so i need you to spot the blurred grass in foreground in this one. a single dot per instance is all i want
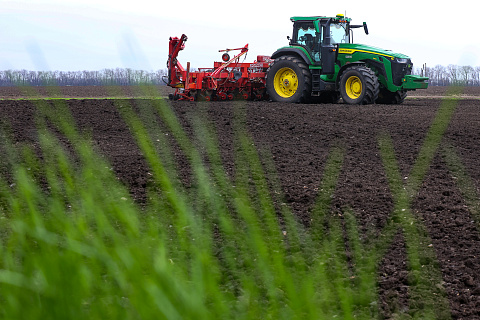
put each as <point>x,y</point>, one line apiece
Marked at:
<point>74,245</point>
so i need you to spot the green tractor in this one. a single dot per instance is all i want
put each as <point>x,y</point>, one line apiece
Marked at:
<point>322,64</point>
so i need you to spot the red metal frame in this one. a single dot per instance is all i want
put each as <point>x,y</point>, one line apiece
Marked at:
<point>225,81</point>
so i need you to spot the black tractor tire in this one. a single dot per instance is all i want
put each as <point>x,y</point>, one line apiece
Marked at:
<point>288,79</point>
<point>359,85</point>
<point>388,97</point>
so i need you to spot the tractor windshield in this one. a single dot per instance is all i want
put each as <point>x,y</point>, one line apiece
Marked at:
<point>338,33</point>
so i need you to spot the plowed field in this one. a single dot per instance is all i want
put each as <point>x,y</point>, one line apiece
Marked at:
<point>299,138</point>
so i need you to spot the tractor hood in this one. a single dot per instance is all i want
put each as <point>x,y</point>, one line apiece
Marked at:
<point>396,74</point>
<point>350,48</point>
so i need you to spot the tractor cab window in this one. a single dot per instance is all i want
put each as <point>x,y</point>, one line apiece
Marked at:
<point>306,36</point>
<point>339,33</point>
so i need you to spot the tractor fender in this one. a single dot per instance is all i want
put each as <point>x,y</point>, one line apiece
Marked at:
<point>293,52</point>
<point>376,66</point>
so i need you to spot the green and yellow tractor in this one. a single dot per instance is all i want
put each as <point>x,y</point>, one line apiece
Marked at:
<point>321,63</point>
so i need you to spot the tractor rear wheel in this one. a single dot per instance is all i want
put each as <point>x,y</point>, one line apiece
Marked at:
<point>289,80</point>
<point>359,85</point>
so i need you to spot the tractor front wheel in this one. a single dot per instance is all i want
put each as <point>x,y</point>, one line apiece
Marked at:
<point>289,80</point>
<point>388,97</point>
<point>359,85</point>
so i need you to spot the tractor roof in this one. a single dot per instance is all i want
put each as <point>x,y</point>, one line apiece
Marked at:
<point>339,17</point>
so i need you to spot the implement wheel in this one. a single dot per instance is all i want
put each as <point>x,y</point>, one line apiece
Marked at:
<point>359,85</point>
<point>289,80</point>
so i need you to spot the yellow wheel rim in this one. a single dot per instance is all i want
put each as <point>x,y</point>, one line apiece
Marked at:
<point>285,82</point>
<point>353,87</point>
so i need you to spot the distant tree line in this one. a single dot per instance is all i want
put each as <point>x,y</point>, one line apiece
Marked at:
<point>450,75</point>
<point>118,76</point>
<point>439,76</point>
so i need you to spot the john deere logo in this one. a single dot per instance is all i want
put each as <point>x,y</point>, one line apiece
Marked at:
<point>347,51</point>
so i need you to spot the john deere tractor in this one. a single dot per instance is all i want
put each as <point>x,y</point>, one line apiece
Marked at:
<point>322,63</point>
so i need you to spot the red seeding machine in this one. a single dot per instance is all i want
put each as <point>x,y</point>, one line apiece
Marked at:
<point>227,80</point>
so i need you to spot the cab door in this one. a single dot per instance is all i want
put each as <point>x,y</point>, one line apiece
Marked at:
<point>327,50</point>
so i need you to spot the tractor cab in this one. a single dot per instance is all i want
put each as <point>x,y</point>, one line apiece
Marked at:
<point>314,33</point>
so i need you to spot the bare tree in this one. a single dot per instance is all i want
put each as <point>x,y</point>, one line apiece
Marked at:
<point>452,70</point>
<point>476,76</point>
<point>440,76</point>
<point>465,73</point>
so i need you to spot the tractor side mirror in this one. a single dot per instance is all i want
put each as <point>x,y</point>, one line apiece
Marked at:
<point>365,27</point>
<point>352,26</point>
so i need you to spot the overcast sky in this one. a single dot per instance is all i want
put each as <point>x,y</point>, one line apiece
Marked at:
<point>97,34</point>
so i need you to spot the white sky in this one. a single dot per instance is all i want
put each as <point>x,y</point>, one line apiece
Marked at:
<point>96,34</point>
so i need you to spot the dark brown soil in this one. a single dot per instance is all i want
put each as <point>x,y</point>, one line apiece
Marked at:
<point>79,92</point>
<point>299,138</point>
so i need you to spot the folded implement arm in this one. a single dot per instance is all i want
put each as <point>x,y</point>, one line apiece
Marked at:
<point>174,67</point>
